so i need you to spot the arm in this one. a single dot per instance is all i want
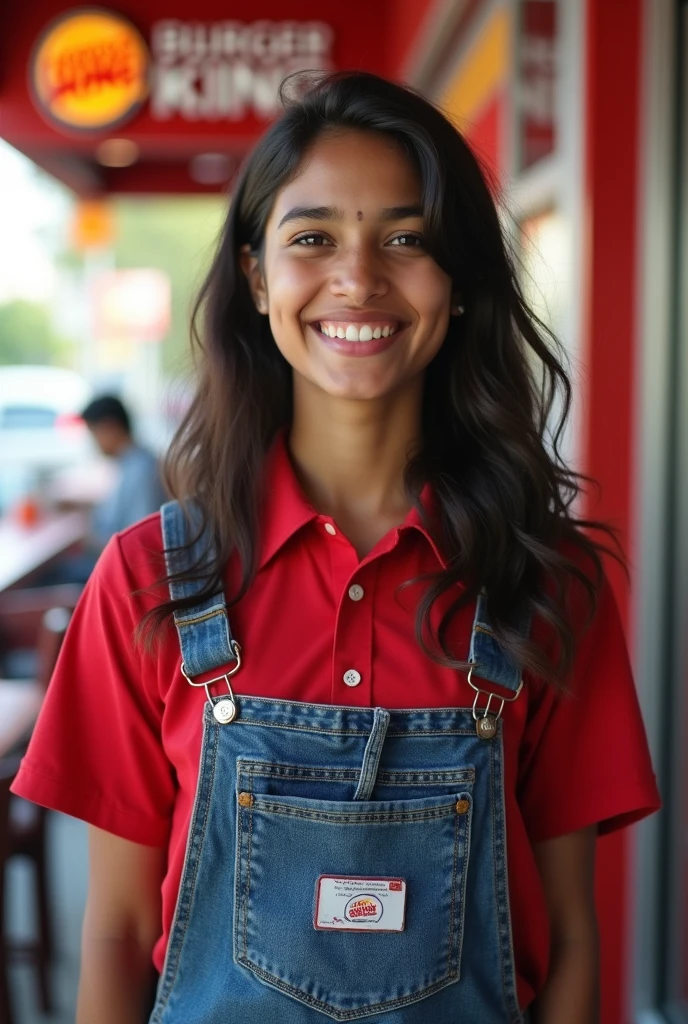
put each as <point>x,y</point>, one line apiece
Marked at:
<point>121,925</point>
<point>571,994</point>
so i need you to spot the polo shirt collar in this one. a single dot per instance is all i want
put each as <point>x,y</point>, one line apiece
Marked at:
<point>286,509</point>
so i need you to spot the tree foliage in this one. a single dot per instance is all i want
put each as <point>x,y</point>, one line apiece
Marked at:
<point>28,336</point>
<point>176,235</point>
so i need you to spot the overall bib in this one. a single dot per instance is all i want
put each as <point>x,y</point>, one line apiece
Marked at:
<point>342,863</point>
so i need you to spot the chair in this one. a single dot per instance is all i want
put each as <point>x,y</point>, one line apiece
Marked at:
<point>22,642</point>
<point>25,832</point>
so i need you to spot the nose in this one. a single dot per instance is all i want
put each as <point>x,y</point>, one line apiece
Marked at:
<point>359,276</point>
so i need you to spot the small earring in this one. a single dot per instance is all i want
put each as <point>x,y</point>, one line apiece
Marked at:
<point>262,306</point>
<point>458,310</point>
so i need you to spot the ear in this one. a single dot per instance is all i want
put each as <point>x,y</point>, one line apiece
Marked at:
<point>250,265</point>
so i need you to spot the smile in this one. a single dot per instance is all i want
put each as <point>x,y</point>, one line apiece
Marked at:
<point>348,331</point>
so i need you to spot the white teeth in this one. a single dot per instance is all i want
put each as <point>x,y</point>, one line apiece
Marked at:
<point>356,332</point>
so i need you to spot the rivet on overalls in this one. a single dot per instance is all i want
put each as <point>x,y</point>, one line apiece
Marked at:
<point>486,727</point>
<point>224,711</point>
<point>245,800</point>
<point>462,806</point>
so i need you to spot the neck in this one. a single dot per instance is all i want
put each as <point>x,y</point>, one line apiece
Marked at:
<point>350,455</point>
<point>123,445</point>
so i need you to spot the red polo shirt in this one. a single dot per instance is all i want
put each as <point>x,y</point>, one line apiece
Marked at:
<point>118,741</point>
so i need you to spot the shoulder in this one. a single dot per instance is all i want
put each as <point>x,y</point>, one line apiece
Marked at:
<point>133,557</point>
<point>583,593</point>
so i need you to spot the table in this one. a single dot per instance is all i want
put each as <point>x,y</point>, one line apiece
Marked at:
<point>20,702</point>
<point>26,549</point>
<point>83,485</point>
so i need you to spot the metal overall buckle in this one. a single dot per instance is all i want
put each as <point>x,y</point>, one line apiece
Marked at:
<point>225,710</point>
<point>485,719</point>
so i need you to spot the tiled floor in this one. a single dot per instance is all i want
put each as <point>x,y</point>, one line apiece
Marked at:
<point>68,856</point>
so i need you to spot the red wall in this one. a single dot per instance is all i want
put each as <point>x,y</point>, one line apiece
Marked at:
<point>405,22</point>
<point>486,136</point>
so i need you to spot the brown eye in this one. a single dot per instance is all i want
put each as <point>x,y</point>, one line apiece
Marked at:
<point>407,241</point>
<point>312,238</point>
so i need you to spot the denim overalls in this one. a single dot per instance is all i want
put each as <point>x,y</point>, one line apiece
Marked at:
<point>343,863</point>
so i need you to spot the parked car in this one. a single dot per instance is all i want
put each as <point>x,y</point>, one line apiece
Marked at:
<point>40,426</point>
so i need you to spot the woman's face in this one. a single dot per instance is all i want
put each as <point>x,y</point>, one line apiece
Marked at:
<point>356,304</point>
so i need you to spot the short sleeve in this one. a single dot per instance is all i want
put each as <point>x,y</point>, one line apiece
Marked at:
<point>584,754</point>
<point>96,752</point>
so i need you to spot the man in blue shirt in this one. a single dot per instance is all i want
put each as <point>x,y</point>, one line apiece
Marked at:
<point>138,490</point>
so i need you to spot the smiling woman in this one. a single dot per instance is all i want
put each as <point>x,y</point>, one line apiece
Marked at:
<point>364,480</point>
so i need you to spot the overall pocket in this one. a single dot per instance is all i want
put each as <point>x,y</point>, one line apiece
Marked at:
<point>285,843</point>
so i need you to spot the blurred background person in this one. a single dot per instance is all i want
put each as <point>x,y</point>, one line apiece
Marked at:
<point>138,490</point>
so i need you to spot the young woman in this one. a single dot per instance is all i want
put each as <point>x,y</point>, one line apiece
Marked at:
<point>417,712</point>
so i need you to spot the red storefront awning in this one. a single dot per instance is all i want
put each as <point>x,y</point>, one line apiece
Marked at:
<point>166,96</point>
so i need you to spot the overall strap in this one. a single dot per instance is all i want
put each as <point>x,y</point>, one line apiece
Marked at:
<point>487,658</point>
<point>491,664</point>
<point>204,635</point>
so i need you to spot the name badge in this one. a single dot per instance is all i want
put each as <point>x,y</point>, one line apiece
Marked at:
<point>359,904</point>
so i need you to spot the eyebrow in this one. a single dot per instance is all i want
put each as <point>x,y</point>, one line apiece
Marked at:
<point>334,213</point>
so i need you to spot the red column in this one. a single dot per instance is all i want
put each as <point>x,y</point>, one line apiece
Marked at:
<point>612,116</point>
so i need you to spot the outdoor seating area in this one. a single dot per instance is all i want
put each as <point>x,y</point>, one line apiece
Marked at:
<point>33,622</point>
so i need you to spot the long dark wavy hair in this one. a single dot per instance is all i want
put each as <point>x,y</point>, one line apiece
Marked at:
<point>505,498</point>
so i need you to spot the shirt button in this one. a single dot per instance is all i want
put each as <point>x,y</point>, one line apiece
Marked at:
<point>352,677</point>
<point>330,529</point>
<point>356,592</point>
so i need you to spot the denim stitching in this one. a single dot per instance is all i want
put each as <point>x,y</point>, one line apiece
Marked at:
<point>239,872</point>
<point>201,618</point>
<point>503,914</point>
<point>249,850</point>
<point>390,777</point>
<point>331,1011</point>
<point>496,865</point>
<point>355,732</point>
<point>467,828</point>
<point>342,710</point>
<point>193,855</point>
<point>348,818</point>
<point>452,909</point>
<point>461,776</point>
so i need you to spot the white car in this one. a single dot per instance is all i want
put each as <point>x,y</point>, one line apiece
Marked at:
<point>40,426</point>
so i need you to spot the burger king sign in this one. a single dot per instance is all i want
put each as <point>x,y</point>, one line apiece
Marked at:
<point>89,70</point>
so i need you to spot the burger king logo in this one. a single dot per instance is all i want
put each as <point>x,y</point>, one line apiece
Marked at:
<point>89,70</point>
<point>363,907</point>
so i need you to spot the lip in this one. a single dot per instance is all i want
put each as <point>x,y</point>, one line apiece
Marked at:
<point>358,348</point>
<point>358,317</point>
